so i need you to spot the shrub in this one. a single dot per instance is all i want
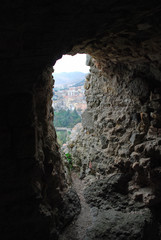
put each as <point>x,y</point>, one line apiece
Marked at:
<point>69,159</point>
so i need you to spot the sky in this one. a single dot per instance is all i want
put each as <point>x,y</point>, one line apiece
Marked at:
<point>68,63</point>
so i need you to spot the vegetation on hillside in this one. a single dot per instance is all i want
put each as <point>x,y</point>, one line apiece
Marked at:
<point>62,137</point>
<point>67,118</point>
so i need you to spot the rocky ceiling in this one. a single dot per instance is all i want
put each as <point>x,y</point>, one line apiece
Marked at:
<point>36,33</point>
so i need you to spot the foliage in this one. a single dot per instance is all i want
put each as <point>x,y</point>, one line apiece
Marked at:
<point>69,159</point>
<point>67,118</point>
<point>62,137</point>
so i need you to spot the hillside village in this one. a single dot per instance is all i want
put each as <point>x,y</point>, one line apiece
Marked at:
<point>68,103</point>
<point>70,98</point>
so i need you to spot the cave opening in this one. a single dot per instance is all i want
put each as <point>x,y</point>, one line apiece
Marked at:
<point>68,95</point>
<point>119,141</point>
<point>115,153</point>
<point>118,153</point>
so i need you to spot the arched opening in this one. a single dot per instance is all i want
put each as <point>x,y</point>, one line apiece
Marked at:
<point>121,139</point>
<point>113,151</point>
<point>68,94</point>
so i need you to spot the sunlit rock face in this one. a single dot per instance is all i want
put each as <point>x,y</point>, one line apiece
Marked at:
<point>123,97</point>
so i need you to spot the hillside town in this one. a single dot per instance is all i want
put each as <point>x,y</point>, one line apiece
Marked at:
<point>70,98</point>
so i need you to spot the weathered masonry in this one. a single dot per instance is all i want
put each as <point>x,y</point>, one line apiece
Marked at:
<point>122,122</point>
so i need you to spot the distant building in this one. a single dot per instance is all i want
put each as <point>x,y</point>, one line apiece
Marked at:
<point>70,98</point>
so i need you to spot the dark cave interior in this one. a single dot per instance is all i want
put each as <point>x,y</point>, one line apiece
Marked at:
<point>124,40</point>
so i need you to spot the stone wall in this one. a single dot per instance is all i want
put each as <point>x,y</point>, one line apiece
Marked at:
<point>123,111</point>
<point>125,38</point>
<point>121,134</point>
<point>34,173</point>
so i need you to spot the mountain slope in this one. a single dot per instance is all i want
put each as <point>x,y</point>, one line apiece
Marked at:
<point>68,77</point>
<point>81,83</point>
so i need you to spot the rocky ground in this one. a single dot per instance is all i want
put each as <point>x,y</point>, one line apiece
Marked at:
<point>108,213</point>
<point>78,227</point>
<point>114,215</point>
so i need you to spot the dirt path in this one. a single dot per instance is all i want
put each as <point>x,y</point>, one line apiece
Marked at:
<point>77,229</point>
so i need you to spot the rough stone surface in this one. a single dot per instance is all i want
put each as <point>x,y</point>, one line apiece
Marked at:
<point>123,95</point>
<point>70,207</point>
<point>122,139</point>
<point>78,227</point>
<point>111,224</point>
<point>115,216</point>
<point>120,135</point>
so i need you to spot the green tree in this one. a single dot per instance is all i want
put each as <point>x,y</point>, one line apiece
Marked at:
<point>67,118</point>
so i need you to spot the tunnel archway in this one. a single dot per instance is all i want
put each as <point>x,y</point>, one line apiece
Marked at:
<point>121,36</point>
